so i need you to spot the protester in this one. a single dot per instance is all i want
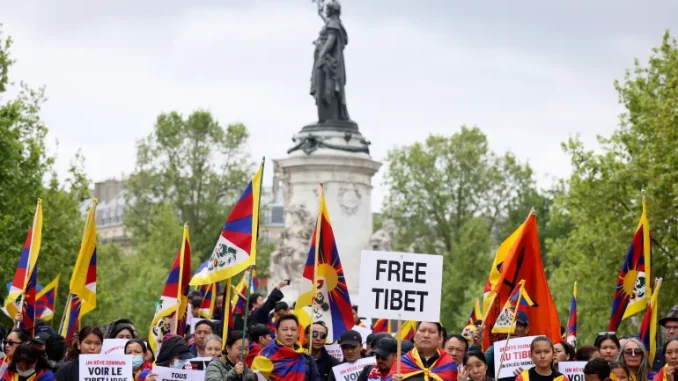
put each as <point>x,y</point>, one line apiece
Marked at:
<point>456,346</point>
<point>229,366</point>
<point>356,318</point>
<point>261,309</point>
<point>40,340</point>
<point>123,330</point>
<point>586,353</point>
<point>260,337</point>
<point>475,367</point>
<point>173,353</point>
<point>28,363</point>
<point>668,371</point>
<point>284,359</point>
<point>426,358</point>
<point>563,352</point>
<point>619,371</point>
<point>15,337</point>
<point>218,306</point>
<point>55,349</point>
<point>323,360</point>
<point>385,351</point>
<point>203,329</point>
<point>137,348</point>
<point>542,353</point>
<point>213,346</point>
<point>351,343</point>
<point>670,324</point>
<point>608,345</point>
<point>635,357</point>
<point>522,330</point>
<point>375,339</point>
<point>598,369</point>
<point>89,342</point>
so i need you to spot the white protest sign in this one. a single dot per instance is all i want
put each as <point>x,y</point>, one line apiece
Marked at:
<point>113,346</point>
<point>335,351</point>
<point>171,374</point>
<point>105,368</point>
<point>517,356</point>
<point>349,371</point>
<point>574,370</point>
<point>400,286</point>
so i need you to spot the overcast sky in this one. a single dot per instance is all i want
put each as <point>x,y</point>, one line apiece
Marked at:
<point>530,74</point>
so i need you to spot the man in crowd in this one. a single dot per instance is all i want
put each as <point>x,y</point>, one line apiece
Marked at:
<point>322,358</point>
<point>426,357</point>
<point>384,351</point>
<point>456,345</point>
<point>670,324</point>
<point>261,309</point>
<point>351,347</point>
<point>260,337</point>
<point>356,318</point>
<point>203,329</point>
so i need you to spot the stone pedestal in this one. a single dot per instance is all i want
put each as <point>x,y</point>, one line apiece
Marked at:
<point>339,158</point>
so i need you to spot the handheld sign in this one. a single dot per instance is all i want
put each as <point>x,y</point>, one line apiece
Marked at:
<point>113,346</point>
<point>349,371</point>
<point>400,286</point>
<point>105,368</point>
<point>335,351</point>
<point>517,355</point>
<point>574,370</point>
<point>171,374</point>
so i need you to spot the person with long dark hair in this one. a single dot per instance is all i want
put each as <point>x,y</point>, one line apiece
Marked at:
<point>15,338</point>
<point>542,354</point>
<point>28,364</point>
<point>608,345</point>
<point>564,352</point>
<point>137,349</point>
<point>89,342</point>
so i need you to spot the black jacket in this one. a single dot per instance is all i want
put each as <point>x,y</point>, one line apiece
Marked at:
<point>259,315</point>
<point>69,371</point>
<point>331,376</point>
<point>325,362</point>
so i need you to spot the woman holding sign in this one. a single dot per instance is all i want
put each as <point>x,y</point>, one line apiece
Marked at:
<point>89,342</point>
<point>229,367</point>
<point>137,349</point>
<point>28,364</point>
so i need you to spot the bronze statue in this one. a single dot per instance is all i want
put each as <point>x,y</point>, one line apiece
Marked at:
<point>328,79</point>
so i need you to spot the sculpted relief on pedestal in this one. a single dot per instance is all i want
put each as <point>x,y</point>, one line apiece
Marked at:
<point>383,239</point>
<point>291,249</point>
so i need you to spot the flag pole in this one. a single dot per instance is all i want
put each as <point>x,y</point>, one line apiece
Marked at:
<point>503,354</point>
<point>226,313</point>
<point>249,285</point>
<point>314,289</point>
<point>29,271</point>
<point>399,352</point>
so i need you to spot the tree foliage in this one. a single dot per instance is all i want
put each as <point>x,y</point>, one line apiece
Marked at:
<point>453,196</point>
<point>196,166</point>
<point>603,202</point>
<point>27,174</point>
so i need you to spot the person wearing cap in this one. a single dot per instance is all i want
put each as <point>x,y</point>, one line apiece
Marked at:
<point>427,360</point>
<point>173,353</point>
<point>384,351</point>
<point>351,343</point>
<point>371,344</point>
<point>40,340</point>
<point>323,360</point>
<point>522,330</point>
<point>670,324</point>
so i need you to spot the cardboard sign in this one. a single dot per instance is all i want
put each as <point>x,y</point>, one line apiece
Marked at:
<point>574,370</point>
<point>171,374</point>
<point>401,286</point>
<point>517,356</point>
<point>349,371</point>
<point>335,351</point>
<point>105,368</point>
<point>200,363</point>
<point>113,346</point>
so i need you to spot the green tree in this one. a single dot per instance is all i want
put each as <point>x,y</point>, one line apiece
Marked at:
<point>193,164</point>
<point>450,196</point>
<point>603,203</point>
<point>27,174</point>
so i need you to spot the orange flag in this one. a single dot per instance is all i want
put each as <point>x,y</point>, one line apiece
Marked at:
<point>524,262</point>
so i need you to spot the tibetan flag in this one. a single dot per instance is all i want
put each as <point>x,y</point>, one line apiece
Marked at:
<point>170,315</point>
<point>30,306</point>
<point>27,262</point>
<point>240,301</point>
<point>648,327</point>
<point>227,321</point>
<point>506,322</point>
<point>46,300</point>
<point>442,369</point>
<point>633,287</point>
<point>209,300</point>
<point>70,323</point>
<point>328,299</point>
<point>277,362</point>
<point>571,333</point>
<point>495,271</point>
<point>523,262</point>
<point>408,329</point>
<point>236,247</point>
<point>476,313</point>
<point>84,279</point>
<point>381,325</point>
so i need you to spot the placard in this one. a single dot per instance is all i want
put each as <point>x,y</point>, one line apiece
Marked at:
<point>105,368</point>
<point>574,370</point>
<point>401,286</point>
<point>113,346</point>
<point>335,351</point>
<point>349,371</point>
<point>171,374</point>
<point>517,356</point>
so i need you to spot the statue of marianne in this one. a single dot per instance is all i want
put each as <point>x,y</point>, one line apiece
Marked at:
<point>328,79</point>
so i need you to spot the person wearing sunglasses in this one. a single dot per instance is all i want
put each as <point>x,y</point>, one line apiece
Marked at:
<point>16,337</point>
<point>351,343</point>
<point>322,358</point>
<point>635,357</point>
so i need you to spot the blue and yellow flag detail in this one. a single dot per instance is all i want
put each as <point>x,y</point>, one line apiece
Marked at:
<point>46,300</point>
<point>506,321</point>
<point>648,327</point>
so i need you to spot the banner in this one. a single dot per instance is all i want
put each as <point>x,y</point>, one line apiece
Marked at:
<point>350,371</point>
<point>105,368</point>
<point>517,355</point>
<point>171,374</point>
<point>574,370</point>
